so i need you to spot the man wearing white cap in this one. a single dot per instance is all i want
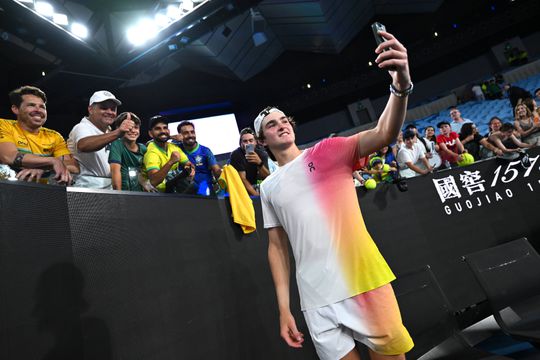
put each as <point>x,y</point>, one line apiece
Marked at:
<point>311,202</point>
<point>90,139</point>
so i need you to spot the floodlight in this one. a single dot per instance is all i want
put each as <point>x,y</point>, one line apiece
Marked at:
<point>145,30</point>
<point>60,19</point>
<point>174,12</point>
<point>44,8</point>
<point>79,30</point>
<point>162,20</point>
<point>187,5</point>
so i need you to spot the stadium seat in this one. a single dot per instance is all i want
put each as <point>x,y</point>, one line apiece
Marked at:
<point>510,276</point>
<point>428,317</point>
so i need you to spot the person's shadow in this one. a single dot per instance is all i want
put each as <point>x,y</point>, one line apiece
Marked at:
<point>60,307</point>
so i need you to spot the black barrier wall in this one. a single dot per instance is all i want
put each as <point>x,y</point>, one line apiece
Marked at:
<point>113,275</point>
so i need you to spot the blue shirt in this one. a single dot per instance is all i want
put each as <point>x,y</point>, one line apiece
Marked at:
<point>203,159</point>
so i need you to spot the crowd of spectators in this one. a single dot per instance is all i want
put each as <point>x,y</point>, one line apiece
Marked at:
<point>458,142</point>
<point>103,152</point>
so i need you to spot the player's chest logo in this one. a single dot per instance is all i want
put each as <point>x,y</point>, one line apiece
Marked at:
<point>198,160</point>
<point>311,166</point>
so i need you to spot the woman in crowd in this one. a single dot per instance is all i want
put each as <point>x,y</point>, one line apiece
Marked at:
<point>525,125</point>
<point>429,133</point>
<point>495,124</point>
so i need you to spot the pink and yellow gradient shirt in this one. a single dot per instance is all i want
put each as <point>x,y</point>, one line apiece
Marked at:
<point>314,199</point>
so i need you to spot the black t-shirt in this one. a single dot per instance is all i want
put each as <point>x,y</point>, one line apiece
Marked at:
<point>473,146</point>
<point>239,162</point>
<point>515,93</point>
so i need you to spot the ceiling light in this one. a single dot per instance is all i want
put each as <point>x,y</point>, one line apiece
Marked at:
<point>60,19</point>
<point>187,5</point>
<point>370,63</point>
<point>44,8</point>
<point>162,20</point>
<point>174,12</point>
<point>79,30</point>
<point>145,30</point>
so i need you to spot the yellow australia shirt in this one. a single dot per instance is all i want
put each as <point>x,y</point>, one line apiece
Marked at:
<point>46,142</point>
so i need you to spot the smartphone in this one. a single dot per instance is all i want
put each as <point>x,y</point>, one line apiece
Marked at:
<point>250,148</point>
<point>376,27</point>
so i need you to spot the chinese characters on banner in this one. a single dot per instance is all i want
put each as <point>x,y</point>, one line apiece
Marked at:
<point>474,189</point>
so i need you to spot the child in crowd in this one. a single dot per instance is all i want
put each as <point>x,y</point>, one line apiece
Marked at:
<point>125,158</point>
<point>450,146</point>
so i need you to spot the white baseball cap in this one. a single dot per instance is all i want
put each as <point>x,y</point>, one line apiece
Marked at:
<point>257,123</point>
<point>103,95</point>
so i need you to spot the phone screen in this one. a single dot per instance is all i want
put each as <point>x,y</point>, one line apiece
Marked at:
<point>250,148</point>
<point>376,27</point>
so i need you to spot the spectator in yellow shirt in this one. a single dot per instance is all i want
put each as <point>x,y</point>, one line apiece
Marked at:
<point>163,158</point>
<point>28,147</point>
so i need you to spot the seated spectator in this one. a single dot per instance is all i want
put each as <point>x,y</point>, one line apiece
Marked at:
<point>250,161</point>
<point>206,166</point>
<point>478,93</point>
<point>473,141</point>
<point>162,159</point>
<point>457,120</point>
<point>493,90</point>
<point>411,155</point>
<point>537,94</point>
<point>89,140</point>
<point>506,141</point>
<point>29,148</point>
<point>524,123</point>
<point>450,148</point>
<point>125,157</point>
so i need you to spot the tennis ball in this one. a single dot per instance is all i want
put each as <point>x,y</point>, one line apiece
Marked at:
<point>386,168</point>
<point>466,159</point>
<point>370,184</point>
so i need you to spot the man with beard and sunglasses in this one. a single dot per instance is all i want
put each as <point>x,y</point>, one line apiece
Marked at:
<point>206,166</point>
<point>28,147</point>
<point>89,141</point>
<point>164,162</point>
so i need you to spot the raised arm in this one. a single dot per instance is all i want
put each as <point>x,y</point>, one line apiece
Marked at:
<point>391,120</point>
<point>278,257</point>
<point>98,142</point>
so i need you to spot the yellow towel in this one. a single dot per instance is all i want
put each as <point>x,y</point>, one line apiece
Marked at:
<point>243,212</point>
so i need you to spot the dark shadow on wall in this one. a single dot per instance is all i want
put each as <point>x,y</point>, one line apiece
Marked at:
<point>60,307</point>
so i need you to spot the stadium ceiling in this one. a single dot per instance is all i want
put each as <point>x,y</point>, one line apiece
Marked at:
<point>216,37</point>
<point>209,55</point>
